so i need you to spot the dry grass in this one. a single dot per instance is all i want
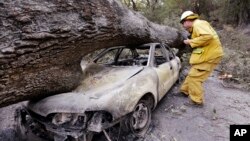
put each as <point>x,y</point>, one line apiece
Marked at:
<point>236,43</point>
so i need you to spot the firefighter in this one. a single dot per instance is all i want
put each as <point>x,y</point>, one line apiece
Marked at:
<point>206,55</point>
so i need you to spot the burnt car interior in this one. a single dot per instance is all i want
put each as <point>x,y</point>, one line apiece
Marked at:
<point>134,55</point>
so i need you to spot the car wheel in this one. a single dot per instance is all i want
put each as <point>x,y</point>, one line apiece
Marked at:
<point>139,120</point>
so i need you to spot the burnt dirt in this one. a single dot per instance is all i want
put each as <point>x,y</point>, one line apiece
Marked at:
<point>173,120</point>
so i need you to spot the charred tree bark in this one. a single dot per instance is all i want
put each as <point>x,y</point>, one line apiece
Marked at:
<point>42,42</point>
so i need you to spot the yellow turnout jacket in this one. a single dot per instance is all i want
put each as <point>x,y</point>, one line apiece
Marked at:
<point>205,43</point>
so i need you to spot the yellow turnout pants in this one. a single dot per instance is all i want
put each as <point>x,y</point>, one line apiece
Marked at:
<point>193,84</point>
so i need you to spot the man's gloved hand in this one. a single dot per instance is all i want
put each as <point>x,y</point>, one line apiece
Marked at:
<point>187,41</point>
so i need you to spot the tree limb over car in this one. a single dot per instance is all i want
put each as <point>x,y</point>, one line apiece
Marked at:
<point>43,42</point>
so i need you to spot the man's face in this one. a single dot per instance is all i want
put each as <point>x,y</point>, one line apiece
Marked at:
<point>187,24</point>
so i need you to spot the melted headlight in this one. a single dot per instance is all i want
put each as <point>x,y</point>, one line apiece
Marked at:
<point>70,120</point>
<point>62,118</point>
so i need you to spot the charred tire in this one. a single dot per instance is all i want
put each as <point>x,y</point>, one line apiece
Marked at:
<point>138,121</point>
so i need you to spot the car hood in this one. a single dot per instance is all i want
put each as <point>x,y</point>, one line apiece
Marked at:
<point>106,77</point>
<point>96,92</point>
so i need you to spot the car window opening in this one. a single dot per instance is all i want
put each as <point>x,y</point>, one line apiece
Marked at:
<point>160,55</point>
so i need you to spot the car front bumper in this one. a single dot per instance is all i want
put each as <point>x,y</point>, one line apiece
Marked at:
<point>30,129</point>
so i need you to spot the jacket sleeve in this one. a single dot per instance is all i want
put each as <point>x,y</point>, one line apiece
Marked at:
<point>200,41</point>
<point>203,34</point>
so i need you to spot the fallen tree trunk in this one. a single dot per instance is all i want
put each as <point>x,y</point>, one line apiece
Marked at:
<point>42,42</point>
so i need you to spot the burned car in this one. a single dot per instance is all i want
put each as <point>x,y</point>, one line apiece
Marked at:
<point>121,85</point>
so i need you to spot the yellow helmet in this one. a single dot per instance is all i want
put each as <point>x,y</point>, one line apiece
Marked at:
<point>188,15</point>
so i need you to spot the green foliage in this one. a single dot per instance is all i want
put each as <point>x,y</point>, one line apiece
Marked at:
<point>160,11</point>
<point>168,12</point>
<point>236,12</point>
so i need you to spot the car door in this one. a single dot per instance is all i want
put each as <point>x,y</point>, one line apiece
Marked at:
<point>163,69</point>
<point>175,64</point>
